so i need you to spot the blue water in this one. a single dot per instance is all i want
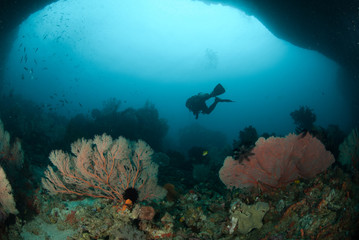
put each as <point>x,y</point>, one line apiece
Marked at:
<point>81,53</point>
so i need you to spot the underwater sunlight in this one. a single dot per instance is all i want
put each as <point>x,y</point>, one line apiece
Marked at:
<point>164,52</point>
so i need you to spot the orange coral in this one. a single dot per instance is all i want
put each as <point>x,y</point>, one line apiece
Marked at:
<point>71,218</point>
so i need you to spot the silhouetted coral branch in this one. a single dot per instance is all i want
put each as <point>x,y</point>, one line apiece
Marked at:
<point>304,118</point>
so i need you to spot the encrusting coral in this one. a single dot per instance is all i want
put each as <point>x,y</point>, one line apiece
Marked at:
<point>247,217</point>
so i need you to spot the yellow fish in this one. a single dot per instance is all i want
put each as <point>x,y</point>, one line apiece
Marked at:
<point>205,152</point>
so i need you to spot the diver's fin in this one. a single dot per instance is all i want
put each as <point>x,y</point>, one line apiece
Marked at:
<point>217,99</point>
<point>218,90</point>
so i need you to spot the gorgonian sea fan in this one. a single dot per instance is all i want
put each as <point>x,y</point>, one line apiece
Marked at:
<point>276,162</point>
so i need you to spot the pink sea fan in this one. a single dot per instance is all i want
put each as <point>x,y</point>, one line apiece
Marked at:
<point>104,168</point>
<point>277,162</point>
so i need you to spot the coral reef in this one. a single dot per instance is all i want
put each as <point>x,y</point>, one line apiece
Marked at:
<point>324,207</point>
<point>292,193</point>
<point>325,211</point>
<point>143,123</point>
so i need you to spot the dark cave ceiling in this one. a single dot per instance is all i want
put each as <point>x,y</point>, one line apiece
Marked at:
<point>330,27</point>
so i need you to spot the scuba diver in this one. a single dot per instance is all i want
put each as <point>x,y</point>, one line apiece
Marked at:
<point>197,103</point>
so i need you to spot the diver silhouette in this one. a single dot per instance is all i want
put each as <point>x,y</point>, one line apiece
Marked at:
<point>197,103</point>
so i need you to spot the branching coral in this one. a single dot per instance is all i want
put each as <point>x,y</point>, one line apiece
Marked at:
<point>248,136</point>
<point>242,149</point>
<point>304,118</point>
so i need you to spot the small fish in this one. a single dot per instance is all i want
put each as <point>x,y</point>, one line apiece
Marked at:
<point>24,49</point>
<point>22,76</point>
<point>205,153</point>
<point>26,58</point>
<point>22,57</point>
<point>36,49</point>
<point>80,104</point>
<point>45,36</point>
<point>45,68</point>
<point>35,61</point>
<point>26,69</point>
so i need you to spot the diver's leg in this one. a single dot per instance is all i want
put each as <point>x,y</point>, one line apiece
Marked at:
<point>209,109</point>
